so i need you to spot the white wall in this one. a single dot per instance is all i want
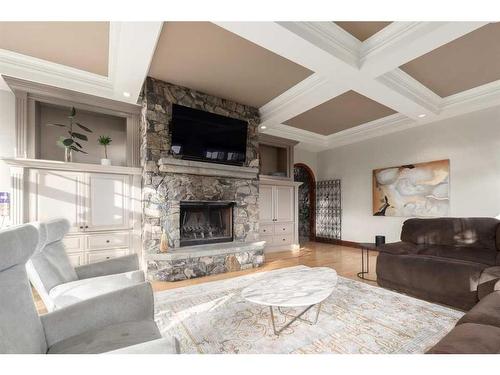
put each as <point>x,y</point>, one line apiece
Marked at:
<point>309,158</point>
<point>7,135</point>
<point>471,142</point>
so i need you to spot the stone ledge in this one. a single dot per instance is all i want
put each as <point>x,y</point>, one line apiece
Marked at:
<point>208,250</point>
<point>171,165</point>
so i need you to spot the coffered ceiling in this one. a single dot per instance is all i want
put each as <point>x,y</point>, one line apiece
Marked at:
<point>325,84</point>
<point>362,30</point>
<point>467,62</point>
<point>342,112</point>
<point>205,57</point>
<point>80,45</point>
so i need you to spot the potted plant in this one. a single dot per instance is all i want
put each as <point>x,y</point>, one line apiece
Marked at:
<point>72,143</point>
<point>104,141</point>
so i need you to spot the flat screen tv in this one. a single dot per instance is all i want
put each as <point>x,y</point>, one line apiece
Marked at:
<point>204,136</point>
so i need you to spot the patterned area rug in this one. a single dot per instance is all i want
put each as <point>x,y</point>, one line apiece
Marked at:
<point>357,318</point>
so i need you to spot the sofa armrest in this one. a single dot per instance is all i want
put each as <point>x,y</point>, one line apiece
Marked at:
<point>128,304</point>
<point>108,267</point>
<point>164,345</point>
<point>489,281</point>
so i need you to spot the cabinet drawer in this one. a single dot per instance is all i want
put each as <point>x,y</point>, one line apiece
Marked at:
<point>283,228</point>
<point>73,244</point>
<point>285,239</point>
<point>107,241</point>
<point>266,229</point>
<point>99,256</point>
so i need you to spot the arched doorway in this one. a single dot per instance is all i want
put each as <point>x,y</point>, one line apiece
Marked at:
<point>307,202</point>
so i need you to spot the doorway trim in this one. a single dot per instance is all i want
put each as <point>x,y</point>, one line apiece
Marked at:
<point>312,200</point>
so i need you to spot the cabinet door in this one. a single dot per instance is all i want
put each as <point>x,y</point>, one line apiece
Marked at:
<point>107,202</point>
<point>266,203</point>
<point>283,203</point>
<point>56,194</point>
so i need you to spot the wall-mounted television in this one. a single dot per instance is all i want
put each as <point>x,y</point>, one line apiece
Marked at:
<point>205,136</point>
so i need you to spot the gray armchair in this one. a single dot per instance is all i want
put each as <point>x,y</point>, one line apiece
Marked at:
<point>59,284</point>
<point>118,322</point>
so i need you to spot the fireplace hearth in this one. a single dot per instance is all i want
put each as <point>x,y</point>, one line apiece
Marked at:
<point>204,222</point>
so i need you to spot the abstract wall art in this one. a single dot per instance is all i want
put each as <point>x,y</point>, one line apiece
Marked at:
<point>414,190</point>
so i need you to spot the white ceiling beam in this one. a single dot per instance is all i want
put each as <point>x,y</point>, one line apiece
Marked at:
<point>132,46</point>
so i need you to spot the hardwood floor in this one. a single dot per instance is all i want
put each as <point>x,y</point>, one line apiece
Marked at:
<point>345,260</point>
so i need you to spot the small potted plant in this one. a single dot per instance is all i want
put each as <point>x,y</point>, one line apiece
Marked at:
<point>104,141</point>
<point>72,143</point>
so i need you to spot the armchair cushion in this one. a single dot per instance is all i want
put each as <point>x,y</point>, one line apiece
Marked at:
<point>486,312</point>
<point>166,345</point>
<point>81,290</point>
<point>108,267</point>
<point>109,338</point>
<point>134,303</point>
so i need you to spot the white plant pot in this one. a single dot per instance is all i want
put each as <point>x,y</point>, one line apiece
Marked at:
<point>105,161</point>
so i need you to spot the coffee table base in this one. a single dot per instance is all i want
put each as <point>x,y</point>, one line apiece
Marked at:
<point>294,318</point>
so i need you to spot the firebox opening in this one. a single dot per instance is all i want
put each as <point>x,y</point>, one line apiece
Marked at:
<point>206,222</point>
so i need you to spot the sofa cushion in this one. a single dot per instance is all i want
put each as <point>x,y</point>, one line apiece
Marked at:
<point>399,248</point>
<point>80,290</point>
<point>489,281</point>
<point>469,338</point>
<point>482,256</point>
<point>108,338</point>
<point>487,311</point>
<point>465,232</point>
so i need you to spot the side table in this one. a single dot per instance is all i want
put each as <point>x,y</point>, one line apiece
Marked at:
<point>365,259</point>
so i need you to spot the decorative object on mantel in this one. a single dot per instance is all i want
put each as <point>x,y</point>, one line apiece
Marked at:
<point>71,144</point>
<point>164,242</point>
<point>412,190</point>
<point>105,140</point>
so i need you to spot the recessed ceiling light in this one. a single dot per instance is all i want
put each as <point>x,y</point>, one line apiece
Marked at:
<point>263,127</point>
<point>126,94</point>
<point>422,115</point>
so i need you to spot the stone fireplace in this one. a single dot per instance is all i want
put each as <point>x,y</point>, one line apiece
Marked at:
<point>205,222</point>
<point>198,218</point>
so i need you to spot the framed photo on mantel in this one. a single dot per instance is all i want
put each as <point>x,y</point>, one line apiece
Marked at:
<point>413,190</point>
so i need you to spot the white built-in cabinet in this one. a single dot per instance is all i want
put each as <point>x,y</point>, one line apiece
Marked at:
<point>278,214</point>
<point>101,203</point>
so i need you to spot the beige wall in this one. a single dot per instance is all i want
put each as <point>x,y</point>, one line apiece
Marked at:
<point>306,157</point>
<point>471,142</point>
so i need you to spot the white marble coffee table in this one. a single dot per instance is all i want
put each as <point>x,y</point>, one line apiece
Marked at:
<point>305,287</point>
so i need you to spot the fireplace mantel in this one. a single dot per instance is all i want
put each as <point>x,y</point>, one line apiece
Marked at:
<point>171,165</point>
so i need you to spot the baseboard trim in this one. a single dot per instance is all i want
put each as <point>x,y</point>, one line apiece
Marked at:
<point>338,242</point>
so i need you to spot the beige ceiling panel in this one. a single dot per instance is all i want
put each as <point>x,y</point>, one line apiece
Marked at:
<point>467,62</point>
<point>342,112</point>
<point>80,45</point>
<point>207,58</point>
<point>362,30</point>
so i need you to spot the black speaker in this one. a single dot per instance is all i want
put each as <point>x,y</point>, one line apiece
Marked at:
<point>379,240</point>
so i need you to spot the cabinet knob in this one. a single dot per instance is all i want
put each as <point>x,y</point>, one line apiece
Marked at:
<point>107,241</point>
<point>81,226</point>
<point>86,227</point>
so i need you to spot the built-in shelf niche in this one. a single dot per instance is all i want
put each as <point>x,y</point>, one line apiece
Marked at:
<point>100,124</point>
<point>276,157</point>
<point>35,102</point>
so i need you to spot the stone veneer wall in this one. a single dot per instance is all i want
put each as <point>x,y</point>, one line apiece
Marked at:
<point>162,192</point>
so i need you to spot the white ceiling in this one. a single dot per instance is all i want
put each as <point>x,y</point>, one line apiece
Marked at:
<point>340,63</point>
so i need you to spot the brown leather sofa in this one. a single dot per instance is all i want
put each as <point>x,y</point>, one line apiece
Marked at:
<point>444,260</point>
<point>478,332</point>
<point>454,261</point>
